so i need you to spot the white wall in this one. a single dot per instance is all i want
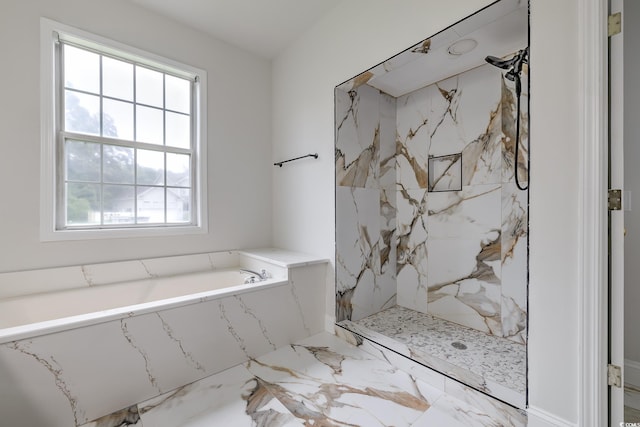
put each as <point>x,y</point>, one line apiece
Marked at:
<point>632,179</point>
<point>361,33</point>
<point>239,132</point>
<point>554,290</point>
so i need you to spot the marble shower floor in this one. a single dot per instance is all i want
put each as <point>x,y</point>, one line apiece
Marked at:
<point>320,381</point>
<point>483,361</point>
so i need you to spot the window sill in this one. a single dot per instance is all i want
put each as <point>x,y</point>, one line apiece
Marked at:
<point>120,233</point>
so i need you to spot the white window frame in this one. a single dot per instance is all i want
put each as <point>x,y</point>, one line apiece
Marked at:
<point>50,33</point>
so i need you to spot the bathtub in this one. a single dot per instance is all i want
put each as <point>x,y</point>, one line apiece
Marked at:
<point>80,342</point>
<point>31,315</point>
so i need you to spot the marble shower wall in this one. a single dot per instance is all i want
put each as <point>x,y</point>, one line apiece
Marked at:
<point>365,202</point>
<point>460,250</point>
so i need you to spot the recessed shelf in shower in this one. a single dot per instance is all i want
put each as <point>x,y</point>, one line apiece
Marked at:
<point>445,173</point>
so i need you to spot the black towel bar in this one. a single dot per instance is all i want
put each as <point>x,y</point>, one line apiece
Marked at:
<point>315,156</point>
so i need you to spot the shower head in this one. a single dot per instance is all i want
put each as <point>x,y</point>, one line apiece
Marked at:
<point>515,63</point>
<point>500,63</point>
<point>511,75</point>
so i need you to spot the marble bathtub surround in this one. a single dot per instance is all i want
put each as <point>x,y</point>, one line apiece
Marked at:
<point>320,380</point>
<point>142,354</point>
<point>81,276</point>
<point>89,294</point>
<point>459,255</point>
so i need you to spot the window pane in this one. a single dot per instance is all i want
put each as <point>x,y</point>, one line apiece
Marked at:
<point>83,204</point>
<point>82,161</point>
<point>117,78</point>
<point>149,125</point>
<point>178,205</point>
<point>81,69</point>
<point>119,204</point>
<point>179,170</point>
<point>178,96</point>
<point>82,113</point>
<point>150,204</point>
<point>125,139</point>
<point>178,130</point>
<point>149,87</point>
<point>150,167</point>
<point>117,167</point>
<point>117,119</point>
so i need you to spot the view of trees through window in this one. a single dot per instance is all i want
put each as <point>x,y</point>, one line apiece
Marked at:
<point>136,166</point>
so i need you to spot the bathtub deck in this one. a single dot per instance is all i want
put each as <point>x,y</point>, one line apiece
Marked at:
<point>470,356</point>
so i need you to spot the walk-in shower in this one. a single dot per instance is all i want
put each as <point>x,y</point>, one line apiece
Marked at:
<point>431,225</point>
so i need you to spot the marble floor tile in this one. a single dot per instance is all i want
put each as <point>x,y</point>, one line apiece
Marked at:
<point>450,412</point>
<point>319,381</point>
<point>496,360</point>
<point>324,378</point>
<point>232,397</point>
<point>125,417</point>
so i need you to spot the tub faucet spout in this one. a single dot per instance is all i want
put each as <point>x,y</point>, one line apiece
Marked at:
<point>254,275</point>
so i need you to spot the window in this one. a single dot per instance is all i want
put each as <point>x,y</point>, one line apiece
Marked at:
<point>123,148</point>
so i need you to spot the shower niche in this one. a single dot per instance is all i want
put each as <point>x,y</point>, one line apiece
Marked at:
<point>431,222</point>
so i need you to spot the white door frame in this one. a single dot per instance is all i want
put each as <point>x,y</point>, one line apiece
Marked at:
<point>616,223</point>
<point>593,274</point>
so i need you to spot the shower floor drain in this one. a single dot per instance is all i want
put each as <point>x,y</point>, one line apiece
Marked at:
<point>459,345</point>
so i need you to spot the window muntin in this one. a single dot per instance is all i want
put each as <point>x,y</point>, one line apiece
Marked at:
<point>126,142</point>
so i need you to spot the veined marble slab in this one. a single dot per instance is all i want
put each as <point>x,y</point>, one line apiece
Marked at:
<point>233,397</point>
<point>324,378</point>
<point>322,381</point>
<point>502,413</point>
<point>79,374</point>
<point>459,255</point>
<point>493,365</point>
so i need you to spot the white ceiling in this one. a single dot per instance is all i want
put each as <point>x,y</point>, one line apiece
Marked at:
<point>262,27</point>
<point>499,30</point>
<point>267,27</point>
